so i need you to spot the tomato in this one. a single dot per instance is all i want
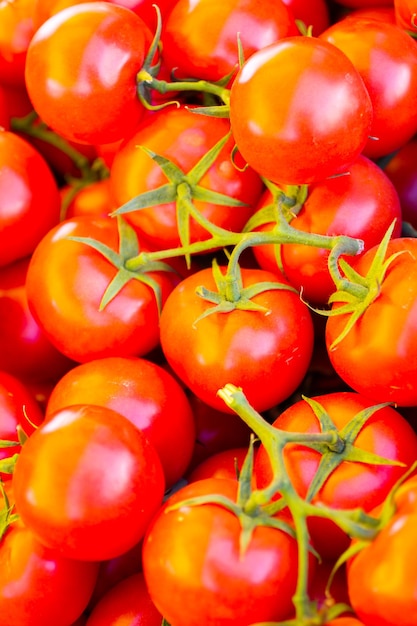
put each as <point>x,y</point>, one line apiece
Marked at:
<point>196,573</point>
<point>16,30</point>
<point>29,198</point>
<point>386,58</point>
<point>378,356</point>
<point>143,392</point>
<point>184,138</point>
<point>87,483</point>
<point>66,282</point>
<point>362,204</point>
<point>313,13</point>
<point>18,410</point>
<point>351,484</point>
<point>345,621</point>
<point>126,604</point>
<point>81,71</point>
<point>377,598</point>
<point>200,39</point>
<point>225,464</point>
<point>93,199</point>
<point>402,171</point>
<point>265,354</point>
<point>405,15</point>
<point>39,586</point>
<point>319,124</point>
<point>26,352</point>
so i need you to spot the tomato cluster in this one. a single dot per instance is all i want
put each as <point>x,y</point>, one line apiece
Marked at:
<point>208,312</point>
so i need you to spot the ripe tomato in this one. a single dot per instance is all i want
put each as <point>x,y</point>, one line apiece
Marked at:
<point>66,281</point>
<point>127,603</point>
<point>81,71</point>
<point>319,124</point>
<point>87,483</point>
<point>405,15</point>
<point>39,586</point>
<point>313,13</point>
<point>146,394</point>
<point>386,58</point>
<point>184,138</point>
<point>386,433</point>
<point>16,30</point>
<point>345,621</point>
<point>225,464</point>
<point>93,199</point>
<point>200,39</point>
<point>196,573</point>
<point>29,198</point>
<point>378,356</point>
<point>402,171</point>
<point>265,353</point>
<point>362,204</point>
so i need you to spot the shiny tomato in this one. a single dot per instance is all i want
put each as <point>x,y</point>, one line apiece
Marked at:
<point>319,124</point>
<point>81,71</point>
<point>16,30</point>
<point>266,352</point>
<point>184,138</point>
<point>87,483</point>
<point>405,15</point>
<point>225,464</point>
<point>378,356</point>
<point>93,199</point>
<point>66,282</point>
<point>29,198</point>
<point>362,204</point>
<point>200,39</point>
<point>196,573</point>
<point>39,586</point>
<point>146,394</point>
<point>386,58</point>
<point>313,13</point>
<point>351,484</point>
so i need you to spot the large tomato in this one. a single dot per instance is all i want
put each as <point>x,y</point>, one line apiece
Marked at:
<point>351,484</point>
<point>266,352</point>
<point>66,282</point>
<point>148,395</point>
<point>317,126</point>
<point>87,483</point>
<point>195,570</point>
<point>386,58</point>
<point>378,356</point>
<point>81,69</point>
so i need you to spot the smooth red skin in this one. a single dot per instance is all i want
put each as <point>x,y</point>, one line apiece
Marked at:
<point>88,482</point>
<point>29,198</point>
<point>378,357</point>
<point>223,464</point>
<point>362,204</point>
<point>66,281</point>
<point>350,485</point>
<point>384,13</point>
<point>345,621</point>
<point>314,13</point>
<point>81,71</point>
<point>94,199</point>
<point>195,574</point>
<point>38,586</point>
<point>26,352</point>
<point>200,38</point>
<point>144,393</point>
<point>405,14</point>
<point>16,30</point>
<point>126,604</point>
<point>18,408</point>
<point>266,355</point>
<point>286,139</point>
<point>184,138</point>
<point>402,171</point>
<point>386,58</point>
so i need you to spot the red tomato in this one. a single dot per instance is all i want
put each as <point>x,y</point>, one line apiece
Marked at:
<point>143,392</point>
<point>225,464</point>
<point>200,39</point>
<point>39,586</point>
<point>350,485</point>
<point>81,71</point>
<point>378,356</point>
<point>194,569</point>
<point>16,30</point>
<point>319,124</point>
<point>29,198</point>
<point>250,349</point>
<point>313,13</point>
<point>362,204</point>
<point>405,15</point>
<point>25,352</point>
<point>93,199</point>
<point>87,483</point>
<point>126,604</point>
<point>345,621</point>
<point>402,171</point>
<point>66,282</point>
<point>386,58</point>
<point>184,138</point>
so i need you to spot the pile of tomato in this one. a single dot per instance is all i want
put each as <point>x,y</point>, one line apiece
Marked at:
<point>208,312</point>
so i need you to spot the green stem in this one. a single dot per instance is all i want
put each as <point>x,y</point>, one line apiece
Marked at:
<point>202,86</point>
